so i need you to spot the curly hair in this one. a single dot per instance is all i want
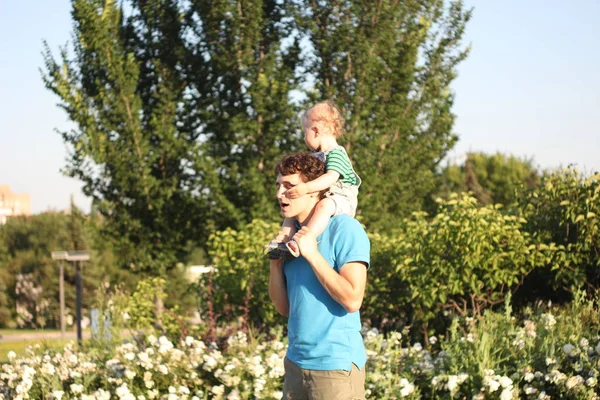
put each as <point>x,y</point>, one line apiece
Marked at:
<point>306,164</point>
<point>328,113</point>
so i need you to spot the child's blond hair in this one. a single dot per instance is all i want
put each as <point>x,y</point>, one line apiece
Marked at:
<point>326,112</point>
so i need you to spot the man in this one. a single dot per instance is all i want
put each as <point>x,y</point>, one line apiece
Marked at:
<point>320,292</point>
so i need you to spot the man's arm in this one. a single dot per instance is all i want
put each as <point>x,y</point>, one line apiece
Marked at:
<point>277,288</point>
<point>346,287</point>
<point>321,183</point>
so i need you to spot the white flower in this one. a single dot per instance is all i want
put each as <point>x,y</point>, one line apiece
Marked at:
<point>574,381</point>
<point>189,340</point>
<point>48,369</point>
<point>452,383</point>
<point>12,355</point>
<point>76,388</point>
<point>126,316</point>
<point>406,387</point>
<point>58,394</point>
<point>493,385</point>
<point>529,389</point>
<point>163,369</point>
<point>568,349</point>
<point>528,377</point>
<point>584,342</point>
<point>433,340</point>
<point>218,390</point>
<point>184,390</point>
<point>548,320</point>
<point>506,382</point>
<point>234,395</point>
<point>506,394</point>
<point>102,394</point>
<point>591,382</point>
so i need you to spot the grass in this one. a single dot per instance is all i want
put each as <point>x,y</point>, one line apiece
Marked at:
<point>14,332</point>
<point>20,346</point>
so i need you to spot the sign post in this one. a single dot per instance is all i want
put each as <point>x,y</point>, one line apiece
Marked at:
<point>77,257</point>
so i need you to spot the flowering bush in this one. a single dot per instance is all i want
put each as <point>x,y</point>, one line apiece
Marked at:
<point>551,353</point>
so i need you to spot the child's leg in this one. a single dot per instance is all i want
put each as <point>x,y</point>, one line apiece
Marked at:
<point>323,212</point>
<point>318,222</point>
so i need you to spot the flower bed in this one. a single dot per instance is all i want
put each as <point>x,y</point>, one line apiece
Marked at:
<point>548,354</point>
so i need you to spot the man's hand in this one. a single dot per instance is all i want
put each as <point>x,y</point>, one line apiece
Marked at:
<point>299,190</point>
<point>307,242</point>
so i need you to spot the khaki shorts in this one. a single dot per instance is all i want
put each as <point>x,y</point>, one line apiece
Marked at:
<point>308,384</point>
<point>345,198</point>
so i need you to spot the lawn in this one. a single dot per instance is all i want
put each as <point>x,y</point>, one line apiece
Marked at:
<point>19,346</point>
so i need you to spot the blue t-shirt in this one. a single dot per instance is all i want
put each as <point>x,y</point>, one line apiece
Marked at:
<point>322,334</point>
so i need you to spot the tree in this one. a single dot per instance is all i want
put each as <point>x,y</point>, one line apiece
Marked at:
<point>496,178</point>
<point>389,65</point>
<point>182,108</point>
<point>29,276</point>
<point>180,111</point>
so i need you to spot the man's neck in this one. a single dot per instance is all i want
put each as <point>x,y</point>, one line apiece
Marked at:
<point>304,217</point>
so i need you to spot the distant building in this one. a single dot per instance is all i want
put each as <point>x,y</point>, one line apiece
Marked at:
<point>12,204</point>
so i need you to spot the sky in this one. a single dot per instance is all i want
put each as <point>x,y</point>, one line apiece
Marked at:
<point>530,88</point>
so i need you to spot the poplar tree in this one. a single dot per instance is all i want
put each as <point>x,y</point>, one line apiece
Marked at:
<point>389,64</point>
<point>181,108</point>
<point>180,111</point>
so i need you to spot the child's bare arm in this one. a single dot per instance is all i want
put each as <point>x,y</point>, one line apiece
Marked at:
<point>321,183</point>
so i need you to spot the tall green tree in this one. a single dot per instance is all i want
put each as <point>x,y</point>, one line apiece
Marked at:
<point>30,276</point>
<point>389,65</point>
<point>181,109</point>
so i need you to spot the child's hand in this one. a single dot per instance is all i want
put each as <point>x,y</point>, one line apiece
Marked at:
<point>299,190</point>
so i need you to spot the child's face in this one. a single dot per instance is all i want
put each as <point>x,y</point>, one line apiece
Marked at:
<point>312,135</point>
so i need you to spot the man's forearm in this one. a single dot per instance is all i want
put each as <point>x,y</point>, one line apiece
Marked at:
<point>338,287</point>
<point>277,288</point>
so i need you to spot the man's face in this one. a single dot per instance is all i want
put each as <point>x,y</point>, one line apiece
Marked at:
<point>292,208</point>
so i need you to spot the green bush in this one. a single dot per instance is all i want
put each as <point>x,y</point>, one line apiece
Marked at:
<point>564,211</point>
<point>464,259</point>
<point>238,290</point>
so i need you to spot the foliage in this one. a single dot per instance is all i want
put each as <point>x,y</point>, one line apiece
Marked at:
<point>239,287</point>
<point>549,353</point>
<point>464,259</point>
<point>564,210</point>
<point>182,108</point>
<point>29,274</point>
<point>390,67</point>
<point>493,179</point>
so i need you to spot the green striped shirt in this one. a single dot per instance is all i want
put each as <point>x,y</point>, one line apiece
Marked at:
<point>337,160</point>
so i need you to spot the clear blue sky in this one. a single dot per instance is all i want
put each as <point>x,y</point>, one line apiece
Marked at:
<point>530,87</point>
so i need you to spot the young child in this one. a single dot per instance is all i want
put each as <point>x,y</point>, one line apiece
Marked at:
<point>322,125</point>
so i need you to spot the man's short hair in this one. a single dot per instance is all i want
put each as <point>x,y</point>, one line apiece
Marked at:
<point>306,164</point>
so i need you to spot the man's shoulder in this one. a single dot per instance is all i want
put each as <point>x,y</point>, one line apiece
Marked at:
<point>345,223</point>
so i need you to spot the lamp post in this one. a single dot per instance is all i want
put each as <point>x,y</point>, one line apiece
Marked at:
<point>77,257</point>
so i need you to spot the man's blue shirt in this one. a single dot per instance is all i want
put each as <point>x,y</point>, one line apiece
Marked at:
<point>322,334</point>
